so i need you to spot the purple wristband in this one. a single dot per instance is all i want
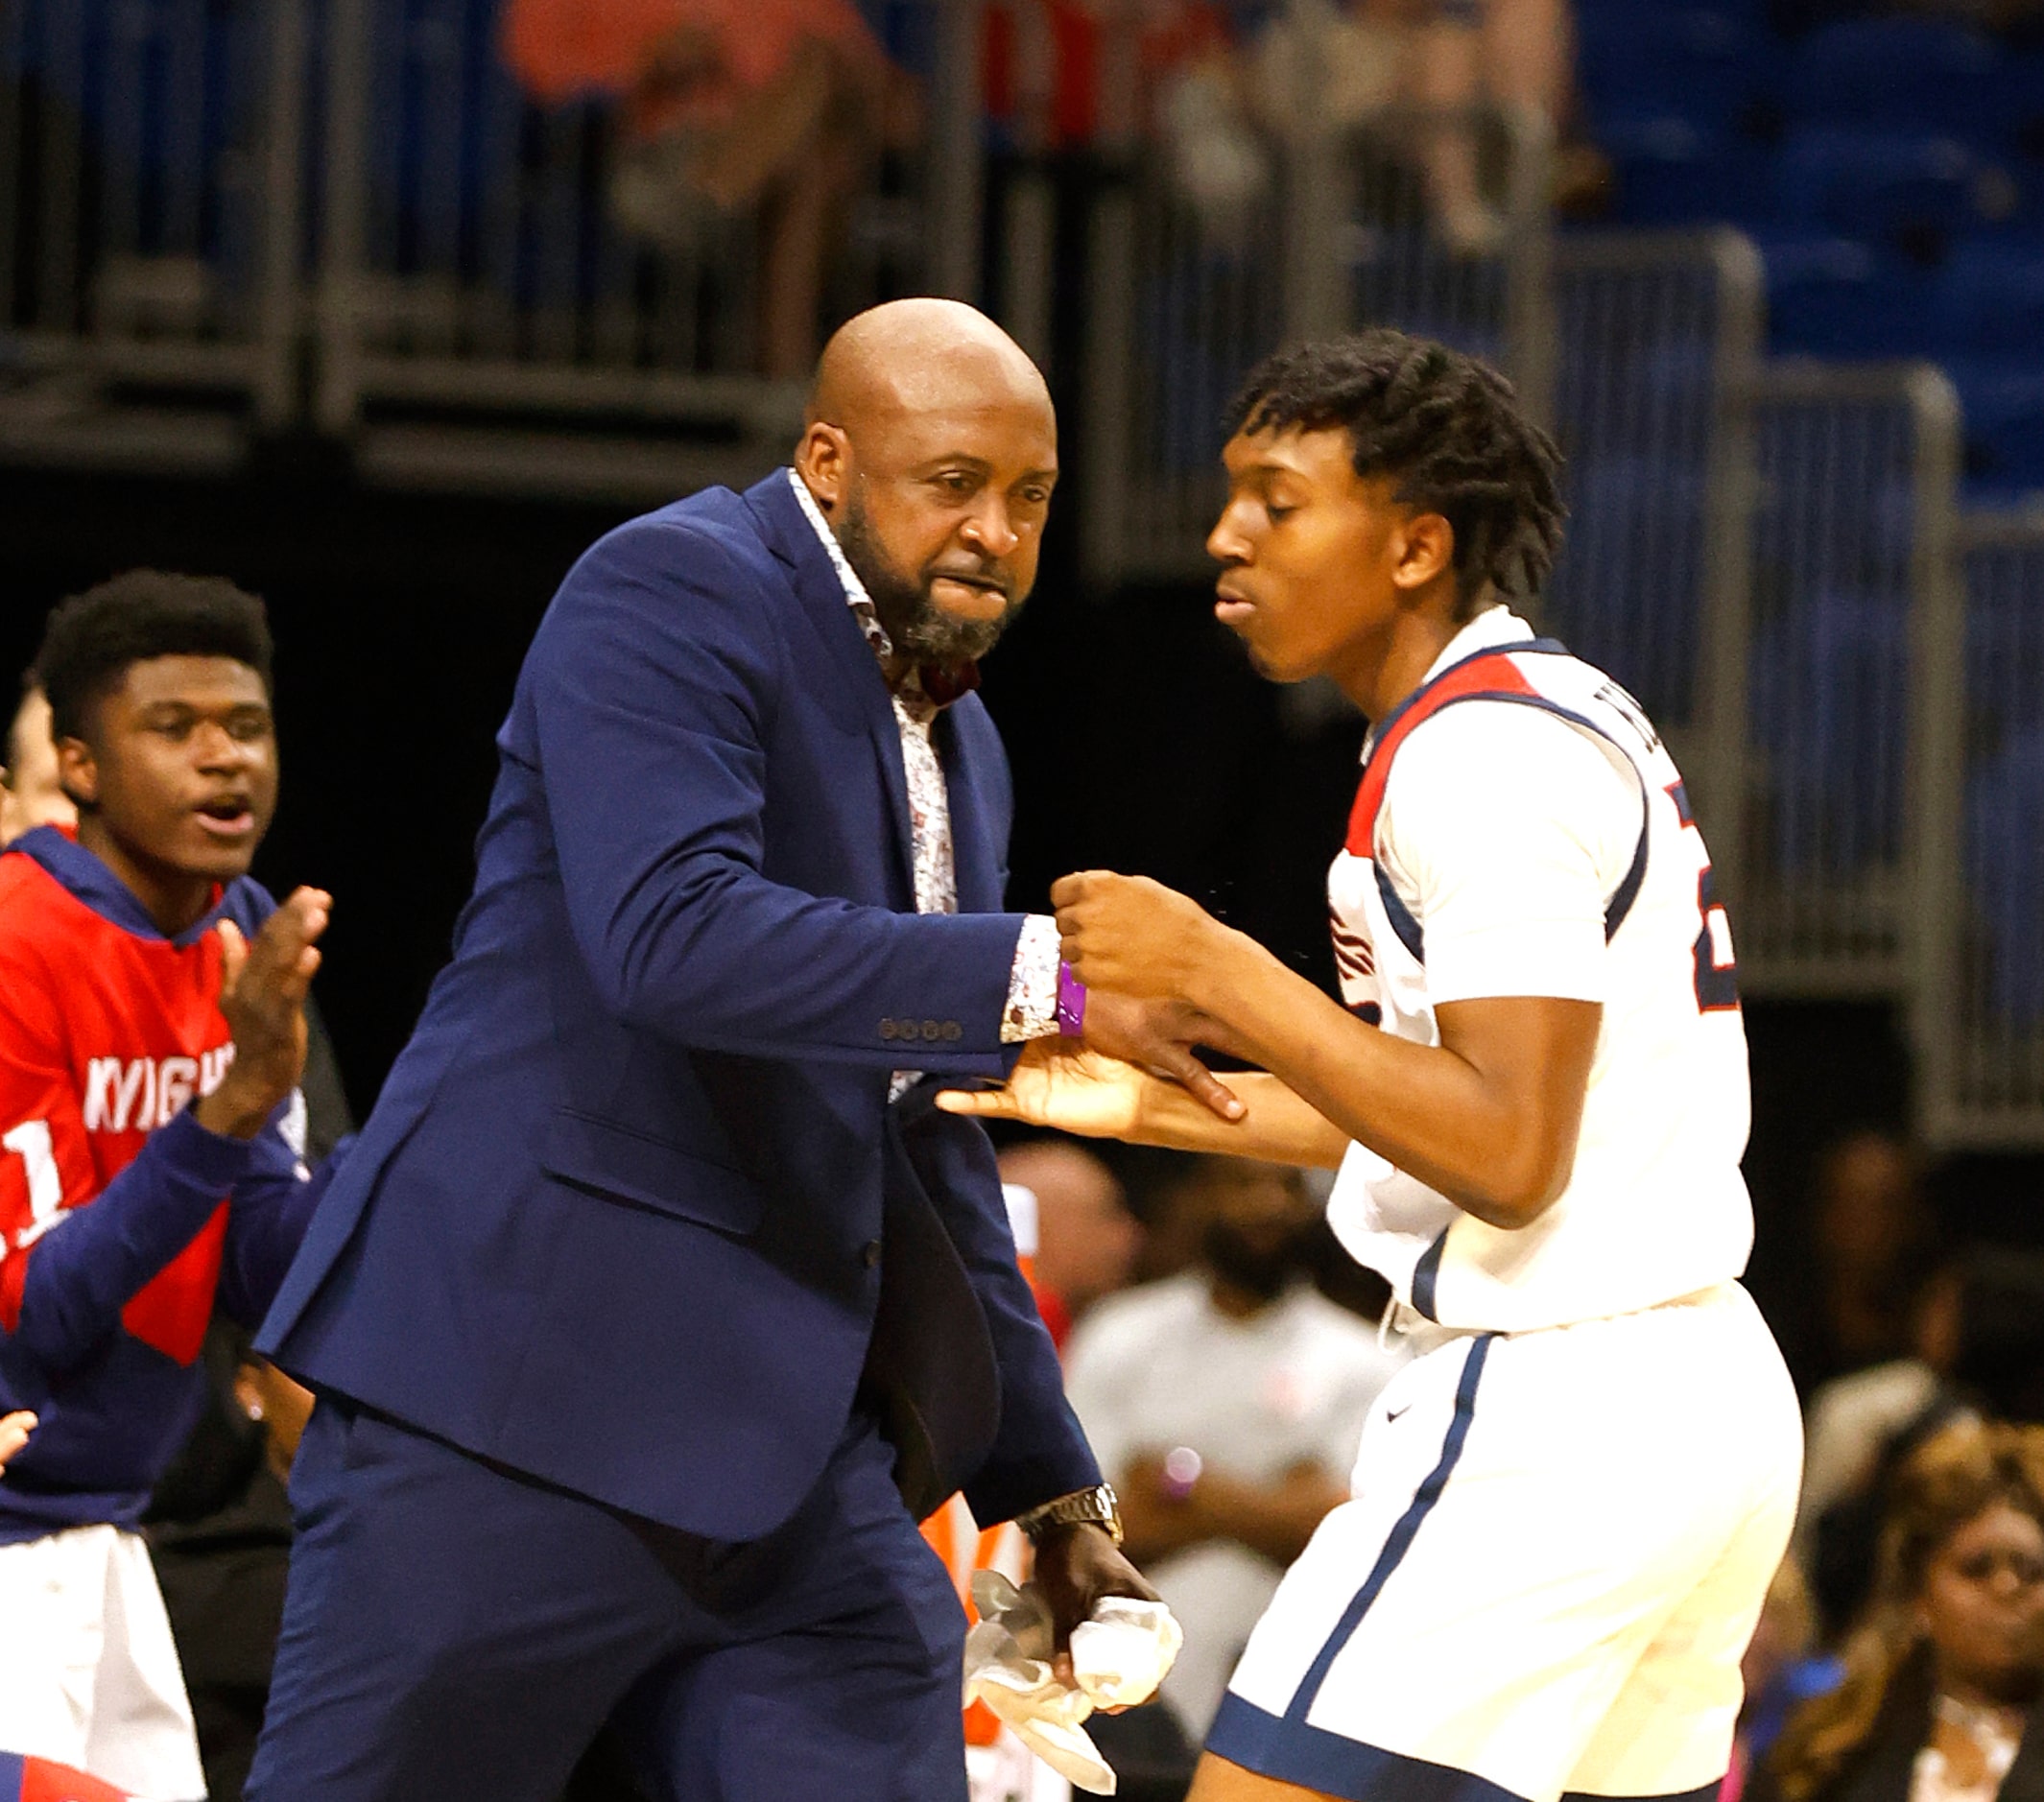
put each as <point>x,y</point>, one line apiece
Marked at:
<point>1071,1002</point>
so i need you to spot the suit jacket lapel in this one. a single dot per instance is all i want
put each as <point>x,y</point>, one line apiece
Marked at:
<point>851,668</point>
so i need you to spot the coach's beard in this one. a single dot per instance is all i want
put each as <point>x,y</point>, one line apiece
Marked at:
<point>915,625</point>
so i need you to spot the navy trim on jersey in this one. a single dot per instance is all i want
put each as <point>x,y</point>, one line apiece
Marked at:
<point>1426,1277</point>
<point>1550,647</point>
<point>1399,1541</point>
<point>1707,1793</point>
<point>1290,1751</point>
<point>1408,929</point>
<point>1410,933</point>
<point>1627,892</point>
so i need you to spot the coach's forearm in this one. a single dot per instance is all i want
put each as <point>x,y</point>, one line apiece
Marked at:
<point>1427,1109</point>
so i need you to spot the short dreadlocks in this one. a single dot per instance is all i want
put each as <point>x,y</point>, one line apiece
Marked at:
<point>92,638</point>
<point>1448,428</point>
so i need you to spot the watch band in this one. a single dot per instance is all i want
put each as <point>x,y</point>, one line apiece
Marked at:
<point>1098,1506</point>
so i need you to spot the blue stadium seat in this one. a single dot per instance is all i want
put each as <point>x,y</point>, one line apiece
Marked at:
<point>1827,679</point>
<point>1989,298</point>
<point>1832,296</point>
<point>2005,800</point>
<point>2003,399</point>
<point>1900,73</point>
<point>1877,184</point>
<point>1673,170</point>
<point>1705,63</point>
<point>1629,582</point>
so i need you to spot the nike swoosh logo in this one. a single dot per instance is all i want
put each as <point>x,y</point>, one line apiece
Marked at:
<point>1390,1415</point>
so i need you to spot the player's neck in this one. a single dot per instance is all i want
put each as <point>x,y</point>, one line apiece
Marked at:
<point>1406,652</point>
<point>174,899</point>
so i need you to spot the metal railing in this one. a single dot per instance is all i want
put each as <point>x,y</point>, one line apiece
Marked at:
<point>1857,623</point>
<point>481,292</point>
<point>1659,343</point>
<point>1186,295</point>
<point>150,226</point>
<point>1980,1014</point>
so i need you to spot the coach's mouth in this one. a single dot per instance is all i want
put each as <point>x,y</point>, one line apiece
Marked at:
<point>974,596</point>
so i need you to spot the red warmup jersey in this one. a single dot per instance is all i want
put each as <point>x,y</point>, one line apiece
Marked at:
<point>106,1035</point>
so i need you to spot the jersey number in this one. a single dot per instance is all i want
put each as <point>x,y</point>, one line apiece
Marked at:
<point>1716,970</point>
<point>31,1143</point>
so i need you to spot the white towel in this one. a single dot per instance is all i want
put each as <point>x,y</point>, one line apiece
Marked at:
<point>1119,1655</point>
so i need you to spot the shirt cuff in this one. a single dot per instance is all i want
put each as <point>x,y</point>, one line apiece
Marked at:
<point>1031,1010</point>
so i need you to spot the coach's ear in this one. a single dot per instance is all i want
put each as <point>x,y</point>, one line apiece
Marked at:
<point>1422,551</point>
<point>823,460</point>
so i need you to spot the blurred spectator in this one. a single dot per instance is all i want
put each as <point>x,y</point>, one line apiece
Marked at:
<point>1980,1354</point>
<point>1087,1239</point>
<point>1515,55</point>
<point>30,791</point>
<point>730,106</point>
<point>1782,1669</point>
<point>1942,1676</point>
<point>1872,1242</point>
<point>1441,57</point>
<point>1225,1402</point>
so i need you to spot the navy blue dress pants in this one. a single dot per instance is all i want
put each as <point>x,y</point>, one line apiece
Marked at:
<point>458,1632</point>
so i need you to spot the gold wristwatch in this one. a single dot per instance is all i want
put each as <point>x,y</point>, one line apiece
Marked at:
<point>1098,1506</point>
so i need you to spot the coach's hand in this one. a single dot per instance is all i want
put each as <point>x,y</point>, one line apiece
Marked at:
<point>1079,1565</point>
<point>1135,936</point>
<point>263,990</point>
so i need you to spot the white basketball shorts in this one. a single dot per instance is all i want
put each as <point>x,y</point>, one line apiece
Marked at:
<point>88,1671</point>
<point>1554,1556</point>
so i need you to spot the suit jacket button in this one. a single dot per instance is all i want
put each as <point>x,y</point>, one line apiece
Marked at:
<point>932,1032</point>
<point>869,1253</point>
<point>953,1031</point>
<point>887,1029</point>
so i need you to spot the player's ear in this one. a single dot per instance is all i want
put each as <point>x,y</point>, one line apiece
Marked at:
<point>1422,551</point>
<point>824,461</point>
<point>78,771</point>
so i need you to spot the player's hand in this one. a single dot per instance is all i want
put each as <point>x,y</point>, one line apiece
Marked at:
<point>1159,1037</point>
<point>14,1431</point>
<point>264,984</point>
<point>1077,1566</point>
<point>1133,935</point>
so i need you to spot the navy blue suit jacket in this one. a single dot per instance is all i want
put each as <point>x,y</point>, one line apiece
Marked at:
<point>622,1214</point>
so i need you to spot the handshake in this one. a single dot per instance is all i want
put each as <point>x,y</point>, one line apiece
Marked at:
<point>1119,1656</point>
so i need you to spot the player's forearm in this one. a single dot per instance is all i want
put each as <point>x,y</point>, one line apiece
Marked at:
<point>75,1280</point>
<point>1426,1109</point>
<point>1278,1126</point>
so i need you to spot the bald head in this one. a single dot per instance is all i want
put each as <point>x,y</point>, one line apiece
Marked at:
<point>931,448</point>
<point>920,356</point>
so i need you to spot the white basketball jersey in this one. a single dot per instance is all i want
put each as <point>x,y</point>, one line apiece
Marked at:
<point>1656,1206</point>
